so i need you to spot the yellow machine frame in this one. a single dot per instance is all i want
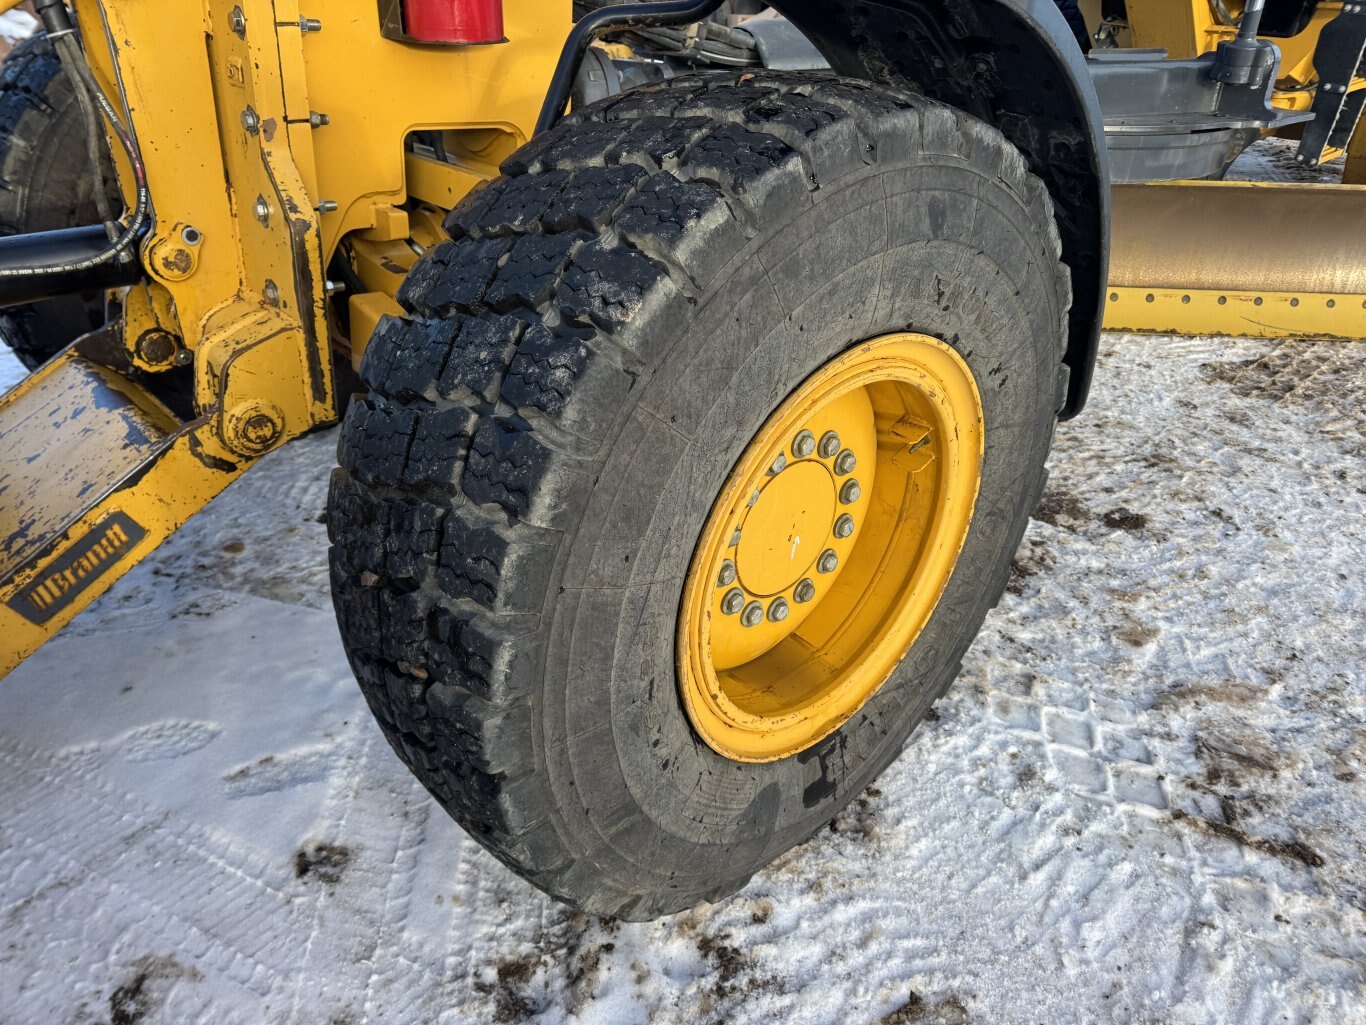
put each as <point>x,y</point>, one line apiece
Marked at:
<point>271,98</point>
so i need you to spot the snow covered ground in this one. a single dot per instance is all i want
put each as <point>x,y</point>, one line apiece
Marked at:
<point>1142,802</point>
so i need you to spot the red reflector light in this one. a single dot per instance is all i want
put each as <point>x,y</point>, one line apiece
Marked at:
<point>454,21</point>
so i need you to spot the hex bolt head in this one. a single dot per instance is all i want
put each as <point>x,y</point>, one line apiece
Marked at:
<point>844,526</point>
<point>805,591</point>
<point>804,444</point>
<point>262,210</point>
<point>237,21</point>
<point>753,614</point>
<point>777,610</point>
<point>830,444</point>
<point>733,602</point>
<point>828,562</point>
<point>850,493</point>
<point>317,120</point>
<point>735,538</point>
<point>727,575</point>
<point>271,292</point>
<point>183,357</point>
<point>845,462</point>
<point>779,465</point>
<point>191,235</point>
<point>251,121</point>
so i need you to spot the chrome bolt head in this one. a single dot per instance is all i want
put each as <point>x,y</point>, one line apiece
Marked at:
<point>262,209</point>
<point>830,444</point>
<point>844,526</point>
<point>845,462</point>
<point>828,562</point>
<point>779,465</point>
<point>271,292</point>
<point>733,602</point>
<point>753,614</point>
<point>191,235</point>
<point>727,574</point>
<point>777,610</point>
<point>735,538</point>
<point>850,493</point>
<point>251,121</point>
<point>805,591</point>
<point>237,21</point>
<point>804,444</point>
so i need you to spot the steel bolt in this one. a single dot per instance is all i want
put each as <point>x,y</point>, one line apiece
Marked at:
<point>850,493</point>
<point>318,120</point>
<point>310,25</point>
<point>237,21</point>
<point>327,206</point>
<point>804,444</point>
<point>727,575</point>
<point>830,444</point>
<point>184,357</point>
<point>262,209</point>
<point>753,614</point>
<point>251,121</point>
<point>777,610</point>
<point>191,236</point>
<point>805,591</point>
<point>735,538</point>
<point>779,465</point>
<point>733,602</point>
<point>846,462</point>
<point>844,526</point>
<point>271,292</point>
<point>828,562</point>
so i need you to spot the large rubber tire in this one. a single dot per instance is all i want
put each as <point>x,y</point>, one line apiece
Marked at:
<point>45,184</point>
<point>521,491</point>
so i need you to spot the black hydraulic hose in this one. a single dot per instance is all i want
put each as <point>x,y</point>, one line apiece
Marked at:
<point>59,28</point>
<point>607,19</point>
<point>69,54</point>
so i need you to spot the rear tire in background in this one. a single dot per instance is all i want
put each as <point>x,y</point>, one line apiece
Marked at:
<point>527,490</point>
<point>46,186</point>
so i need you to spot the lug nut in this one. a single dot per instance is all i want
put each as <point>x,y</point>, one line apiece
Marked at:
<point>779,465</point>
<point>753,614</point>
<point>844,526</point>
<point>830,444</point>
<point>828,562</point>
<point>846,462</point>
<point>727,576</point>
<point>804,445</point>
<point>805,591</point>
<point>733,602</point>
<point>735,538</point>
<point>849,494</point>
<point>777,611</point>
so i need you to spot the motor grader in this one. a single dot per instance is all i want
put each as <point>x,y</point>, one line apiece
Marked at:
<point>699,362</point>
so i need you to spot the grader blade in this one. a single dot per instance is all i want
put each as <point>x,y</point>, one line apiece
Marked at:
<point>1238,258</point>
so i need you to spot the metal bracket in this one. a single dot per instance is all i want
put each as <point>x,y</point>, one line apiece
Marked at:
<point>1338,58</point>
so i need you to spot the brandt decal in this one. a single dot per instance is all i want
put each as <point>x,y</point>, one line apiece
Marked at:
<point>60,582</point>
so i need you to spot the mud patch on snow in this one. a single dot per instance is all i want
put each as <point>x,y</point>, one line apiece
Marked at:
<point>144,990</point>
<point>325,862</point>
<point>919,1011</point>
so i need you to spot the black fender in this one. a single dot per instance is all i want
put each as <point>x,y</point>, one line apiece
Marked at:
<point>1016,65</point>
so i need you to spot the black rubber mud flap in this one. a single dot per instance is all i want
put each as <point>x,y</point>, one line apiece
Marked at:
<point>611,321</point>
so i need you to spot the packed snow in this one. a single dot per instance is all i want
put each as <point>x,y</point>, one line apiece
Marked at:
<point>1141,802</point>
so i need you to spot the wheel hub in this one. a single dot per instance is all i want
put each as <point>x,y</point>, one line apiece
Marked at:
<point>829,546</point>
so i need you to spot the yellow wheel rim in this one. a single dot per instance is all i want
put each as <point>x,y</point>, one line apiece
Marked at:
<point>829,546</point>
